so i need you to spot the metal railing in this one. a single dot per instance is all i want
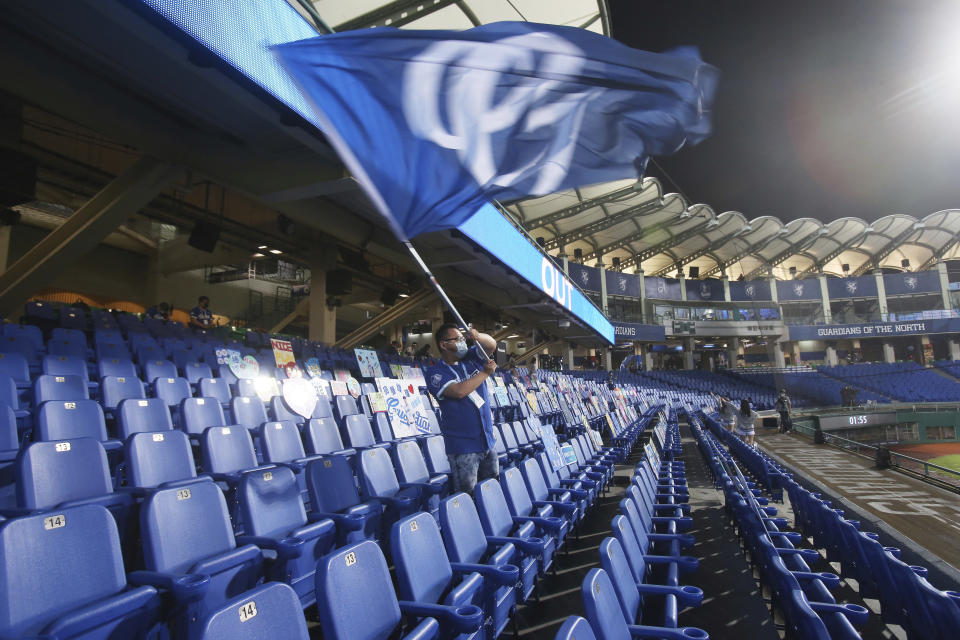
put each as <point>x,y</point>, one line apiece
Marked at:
<point>914,466</point>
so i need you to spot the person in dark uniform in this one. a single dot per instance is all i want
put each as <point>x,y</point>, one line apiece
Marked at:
<point>457,381</point>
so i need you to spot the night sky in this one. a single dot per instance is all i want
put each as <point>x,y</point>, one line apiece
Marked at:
<point>825,109</point>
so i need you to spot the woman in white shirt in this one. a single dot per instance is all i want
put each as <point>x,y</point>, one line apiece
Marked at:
<point>746,420</point>
<point>728,414</point>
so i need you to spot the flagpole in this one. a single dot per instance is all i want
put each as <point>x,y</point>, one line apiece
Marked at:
<point>440,292</point>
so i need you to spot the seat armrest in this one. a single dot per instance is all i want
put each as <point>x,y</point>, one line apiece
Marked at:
<point>830,580</point>
<point>666,633</point>
<point>185,588</point>
<point>504,575</point>
<point>549,523</point>
<point>463,619</point>
<point>856,614</point>
<point>687,596</point>
<point>532,545</point>
<point>75,623</point>
<point>285,548</point>
<point>349,521</point>
<point>228,559</point>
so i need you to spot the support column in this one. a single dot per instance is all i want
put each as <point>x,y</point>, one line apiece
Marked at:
<point>944,284</point>
<point>954,346</point>
<point>85,229</point>
<point>643,295</point>
<point>773,289</point>
<point>825,301</point>
<point>648,358</point>
<point>688,346</point>
<point>923,347</point>
<point>831,355</point>
<point>4,246</point>
<point>726,287</point>
<point>603,288</point>
<point>733,346</point>
<point>568,356</point>
<point>322,321</point>
<point>775,353</point>
<point>565,261</point>
<point>888,354</point>
<point>881,296</point>
<point>683,287</point>
<point>795,358</point>
<point>608,358</point>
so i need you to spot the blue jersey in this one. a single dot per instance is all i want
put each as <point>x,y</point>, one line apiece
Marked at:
<point>201,315</point>
<point>465,427</point>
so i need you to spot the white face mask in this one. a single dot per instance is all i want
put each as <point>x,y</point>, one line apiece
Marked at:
<point>461,348</point>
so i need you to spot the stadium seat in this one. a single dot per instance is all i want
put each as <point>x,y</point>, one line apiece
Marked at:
<point>248,412</point>
<point>74,419</point>
<point>72,561</point>
<point>135,415</point>
<point>198,414</point>
<point>47,388</point>
<point>64,365</point>
<point>378,482</point>
<point>10,398</point>
<point>215,388</point>
<point>425,575</point>
<point>334,495</point>
<point>116,389</point>
<point>521,506</point>
<point>190,552</point>
<point>74,348</point>
<point>575,628</point>
<point>112,351</point>
<point>560,499</point>
<point>412,471</point>
<point>345,406</point>
<point>227,453</point>
<point>119,367</point>
<point>153,369</point>
<point>321,436</point>
<point>539,537</point>
<point>358,433</point>
<point>268,611</point>
<point>356,599</point>
<point>39,310</point>
<point>13,364</point>
<point>281,444</point>
<point>275,520</point>
<point>32,335</point>
<point>194,371</point>
<point>159,459</point>
<point>172,391</point>
<point>435,452</point>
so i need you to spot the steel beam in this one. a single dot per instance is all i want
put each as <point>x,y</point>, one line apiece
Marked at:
<point>886,250</point>
<point>84,230</point>
<point>389,316</point>
<point>673,241</point>
<point>580,207</point>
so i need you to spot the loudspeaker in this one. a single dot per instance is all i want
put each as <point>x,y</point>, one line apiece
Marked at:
<point>845,267</point>
<point>694,272</point>
<point>204,236</point>
<point>339,282</point>
<point>18,178</point>
<point>905,263</point>
<point>616,262</point>
<point>389,296</point>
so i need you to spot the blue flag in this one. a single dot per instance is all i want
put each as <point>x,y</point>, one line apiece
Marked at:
<point>436,123</point>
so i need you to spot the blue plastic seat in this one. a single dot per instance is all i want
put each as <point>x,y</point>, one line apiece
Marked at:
<point>120,367</point>
<point>539,537</point>
<point>378,482</point>
<point>274,519</point>
<point>159,458</point>
<point>281,444</point>
<point>357,432</point>
<point>321,436</point>
<point>412,471</point>
<point>190,552</point>
<point>356,599</point>
<point>172,391</point>
<point>248,412</point>
<point>15,366</point>
<point>46,388</point>
<point>425,575</point>
<point>575,628</point>
<point>216,388</point>
<point>71,560</point>
<point>268,611</point>
<point>136,415</point>
<point>153,369</point>
<point>561,500</point>
<point>435,452</point>
<point>112,351</point>
<point>39,310</point>
<point>521,506</point>
<point>345,406</point>
<point>227,452</point>
<point>74,419</point>
<point>334,495</point>
<point>68,348</point>
<point>116,389</point>
<point>27,340</point>
<point>65,365</point>
<point>199,414</point>
<point>194,371</point>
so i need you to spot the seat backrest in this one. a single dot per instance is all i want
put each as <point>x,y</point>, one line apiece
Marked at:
<point>534,479</point>
<point>224,373</point>
<point>142,414</point>
<point>271,610</point>
<point>602,607</point>
<point>46,388</point>
<point>355,596</point>
<point>121,367</point>
<point>8,392</point>
<point>630,545</point>
<point>381,427</point>
<point>575,628</point>
<point>171,390</point>
<point>115,389</point>
<point>199,414</point>
<point>154,369</point>
<point>546,468</point>
<point>248,412</point>
<point>112,350</point>
<point>183,525</point>
<point>346,406</point>
<point>227,449</point>
<point>69,558</point>
<point>270,502</point>
<point>410,464</point>
<point>493,509</point>
<point>462,532</point>
<point>423,569</point>
<point>280,442</point>
<point>13,364</point>
<point>436,450</point>
<point>321,435</point>
<point>157,457</point>
<point>509,440</point>
<point>194,371</point>
<point>519,433</point>
<point>58,420</point>
<point>357,430</point>
<point>515,492</point>
<point>216,388</point>
<point>65,365</point>
<point>50,473</point>
<point>31,334</point>
<point>378,479</point>
<point>9,440</point>
<point>615,564</point>
<point>322,410</point>
<point>331,484</point>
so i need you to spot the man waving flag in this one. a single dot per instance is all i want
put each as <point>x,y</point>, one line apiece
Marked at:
<point>436,123</point>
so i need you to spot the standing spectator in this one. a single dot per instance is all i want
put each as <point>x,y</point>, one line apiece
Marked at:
<point>746,423</point>
<point>457,381</point>
<point>728,414</point>
<point>783,405</point>
<point>200,316</point>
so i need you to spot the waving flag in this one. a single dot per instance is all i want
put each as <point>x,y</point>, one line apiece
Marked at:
<point>436,123</point>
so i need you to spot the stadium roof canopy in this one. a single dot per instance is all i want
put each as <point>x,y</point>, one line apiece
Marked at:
<point>635,221</point>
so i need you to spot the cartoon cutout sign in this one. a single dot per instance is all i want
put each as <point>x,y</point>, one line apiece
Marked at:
<point>300,396</point>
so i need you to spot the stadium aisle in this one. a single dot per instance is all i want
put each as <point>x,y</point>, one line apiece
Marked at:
<point>732,605</point>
